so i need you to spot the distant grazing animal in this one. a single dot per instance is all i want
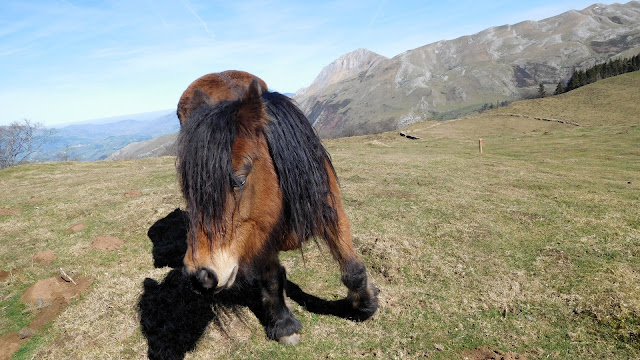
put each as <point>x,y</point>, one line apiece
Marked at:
<point>257,181</point>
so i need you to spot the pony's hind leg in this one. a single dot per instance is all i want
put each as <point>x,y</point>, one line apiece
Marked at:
<point>280,323</point>
<point>363,294</point>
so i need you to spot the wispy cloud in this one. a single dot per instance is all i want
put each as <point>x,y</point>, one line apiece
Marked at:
<point>187,4</point>
<point>68,3</point>
<point>115,53</point>
<point>375,16</point>
<point>14,51</point>
<point>156,13</point>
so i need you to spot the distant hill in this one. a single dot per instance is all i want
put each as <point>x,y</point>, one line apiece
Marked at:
<point>605,102</point>
<point>91,141</point>
<point>160,146</point>
<point>144,116</point>
<point>363,92</point>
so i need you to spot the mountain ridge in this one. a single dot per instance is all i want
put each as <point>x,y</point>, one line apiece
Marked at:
<point>505,62</point>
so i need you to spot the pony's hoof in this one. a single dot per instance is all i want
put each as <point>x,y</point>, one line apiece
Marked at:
<point>363,304</point>
<point>285,330</point>
<point>292,339</point>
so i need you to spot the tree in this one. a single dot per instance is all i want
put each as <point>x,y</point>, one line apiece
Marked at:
<point>559,88</point>
<point>20,140</point>
<point>578,79</point>
<point>66,155</point>
<point>601,71</point>
<point>541,91</point>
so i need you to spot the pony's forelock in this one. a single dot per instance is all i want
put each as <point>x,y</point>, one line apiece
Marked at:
<point>204,165</point>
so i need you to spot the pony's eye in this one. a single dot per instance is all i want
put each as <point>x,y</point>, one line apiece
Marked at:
<point>239,181</point>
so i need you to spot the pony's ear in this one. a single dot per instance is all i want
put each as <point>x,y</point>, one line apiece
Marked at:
<point>199,98</point>
<point>251,117</point>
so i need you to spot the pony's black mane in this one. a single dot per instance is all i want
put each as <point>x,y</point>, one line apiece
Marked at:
<point>204,164</point>
<point>301,163</point>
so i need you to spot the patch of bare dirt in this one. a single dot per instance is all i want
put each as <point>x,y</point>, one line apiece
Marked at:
<point>132,194</point>
<point>53,289</point>
<point>486,353</point>
<point>76,228</point>
<point>107,243</point>
<point>45,316</point>
<point>9,211</point>
<point>44,257</point>
<point>9,343</point>
<point>4,274</point>
<point>34,200</point>
<point>49,297</point>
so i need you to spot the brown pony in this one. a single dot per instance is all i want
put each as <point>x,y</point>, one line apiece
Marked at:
<point>257,181</point>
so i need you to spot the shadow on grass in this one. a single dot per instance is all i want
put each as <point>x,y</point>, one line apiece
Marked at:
<point>174,316</point>
<point>340,308</point>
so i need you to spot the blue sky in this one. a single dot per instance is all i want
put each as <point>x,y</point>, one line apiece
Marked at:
<point>69,60</point>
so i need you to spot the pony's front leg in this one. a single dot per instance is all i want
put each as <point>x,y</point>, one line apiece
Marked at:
<point>280,323</point>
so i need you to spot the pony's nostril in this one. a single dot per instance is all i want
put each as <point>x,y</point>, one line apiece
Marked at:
<point>207,278</point>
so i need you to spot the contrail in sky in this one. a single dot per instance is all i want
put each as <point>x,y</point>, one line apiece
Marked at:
<point>375,16</point>
<point>155,11</point>
<point>202,22</point>
<point>68,3</point>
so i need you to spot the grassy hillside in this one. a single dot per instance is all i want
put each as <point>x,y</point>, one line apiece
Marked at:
<point>532,248</point>
<point>606,102</point>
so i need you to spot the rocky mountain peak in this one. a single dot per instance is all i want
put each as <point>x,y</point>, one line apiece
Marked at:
<point>347,65</point>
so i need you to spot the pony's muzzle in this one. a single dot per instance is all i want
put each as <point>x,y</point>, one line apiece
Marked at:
<point>214,271</point>
<point>206,278</point>
<point>228,281</point>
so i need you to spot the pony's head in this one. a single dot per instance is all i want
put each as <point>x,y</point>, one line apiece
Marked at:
<point>226,174</point>
<point>224,86</point>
